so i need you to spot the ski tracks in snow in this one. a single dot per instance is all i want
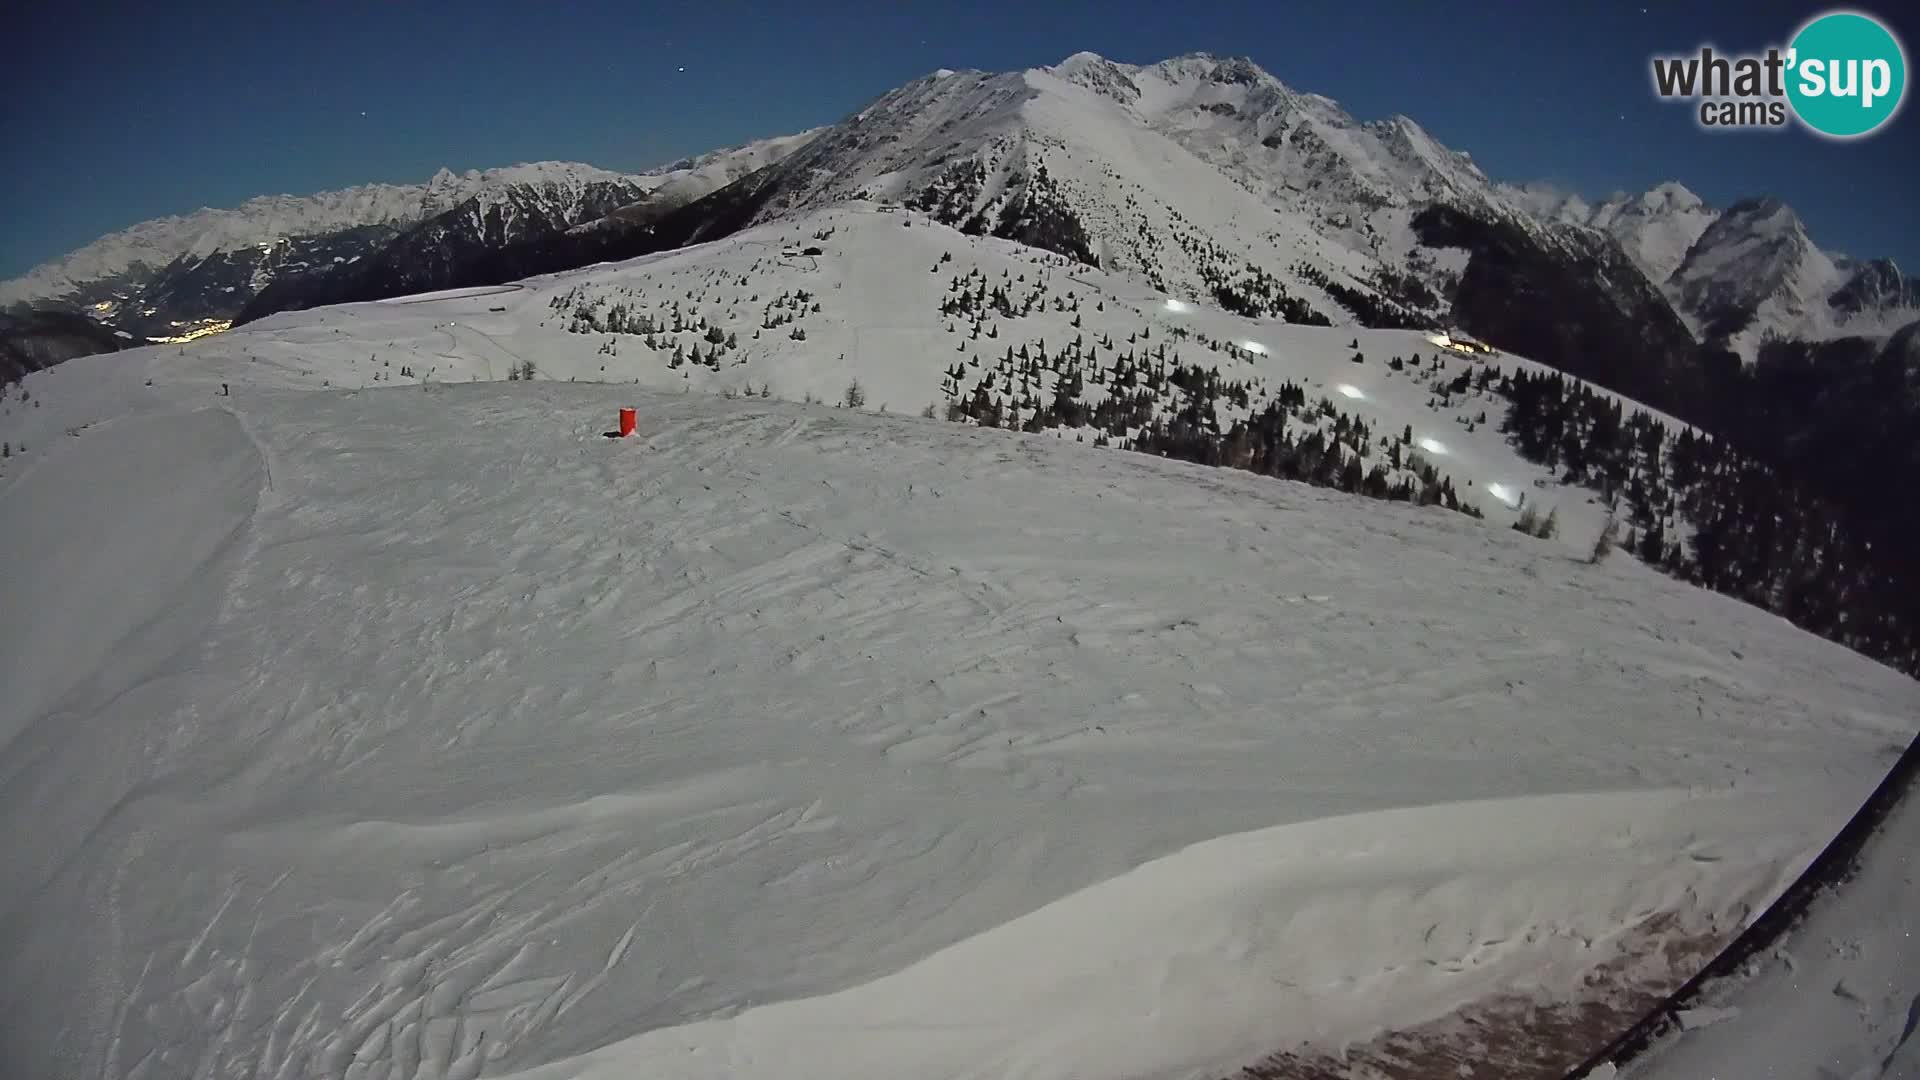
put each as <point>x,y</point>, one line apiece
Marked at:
<point>440,998</point>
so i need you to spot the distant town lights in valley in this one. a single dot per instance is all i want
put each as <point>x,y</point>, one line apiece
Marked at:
<point>1352,391</point>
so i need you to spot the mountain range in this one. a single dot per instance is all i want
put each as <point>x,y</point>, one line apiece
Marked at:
<point>1214,678</point>
<point>173,275</point>
<point>1204,176</point>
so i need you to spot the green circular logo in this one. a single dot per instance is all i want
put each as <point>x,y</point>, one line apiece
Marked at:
<point>1847,74</point>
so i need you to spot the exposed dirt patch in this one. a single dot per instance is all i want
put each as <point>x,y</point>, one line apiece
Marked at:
<point>1514,1037</point>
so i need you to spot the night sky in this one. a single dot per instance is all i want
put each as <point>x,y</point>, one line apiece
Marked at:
<point>119,113</point>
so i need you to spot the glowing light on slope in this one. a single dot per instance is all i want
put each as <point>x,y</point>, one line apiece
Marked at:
<point>1446,342</point>
<point>1254,347</point>
<point>1432,445</point>
<point>216,326</point>
<point>1178,307</point>
<point>1352,391</point>
<point>1504,493</point>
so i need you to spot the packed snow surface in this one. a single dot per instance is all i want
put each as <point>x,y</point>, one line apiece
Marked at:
<point>423,731</point>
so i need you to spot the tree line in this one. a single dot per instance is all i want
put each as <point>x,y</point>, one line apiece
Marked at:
<point>1168,408</point>
<point>1702,510</point>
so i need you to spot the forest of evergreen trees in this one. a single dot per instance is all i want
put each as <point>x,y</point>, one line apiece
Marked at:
<point>1171,409</point>
<point>1372,311</point>
<point>1726,521</point>
<point>1038,214</point>
<point>1243,288</point>
<point>1808,440</point>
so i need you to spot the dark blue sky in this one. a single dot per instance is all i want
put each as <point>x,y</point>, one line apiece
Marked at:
<point>117,113</point>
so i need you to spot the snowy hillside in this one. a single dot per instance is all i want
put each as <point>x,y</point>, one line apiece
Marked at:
<point>924,316</point>
<point>382,718</point>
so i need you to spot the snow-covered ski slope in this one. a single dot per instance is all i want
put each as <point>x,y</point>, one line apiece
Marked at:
<point>360,728</point>
<point>879,285</point>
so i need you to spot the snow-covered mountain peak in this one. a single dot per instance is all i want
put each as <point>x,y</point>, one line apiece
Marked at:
<point>1751,232</point>
<point>448,189</point>
<point>1078,62</point>
<point>1741,275</point>
<point>762,150</point>
<point>1549,202</point>
<point>1553,202</point>
<point>1099,74</point>
<point>692,177</point>
<point>558,173</point>
<point>1656,227</point>
<point>1671,197</point>
<point>1303,151</point>
<point>1207,67</point>
<point>1412,144</point>
<point>1240,69</point>
<point>1569,207</point>
<point>119,267</point>
<point>1202,83</point>
<point>1753,274</point>
<point>1765,215</point>
<point>264,219</point>
<point>1876,283</point>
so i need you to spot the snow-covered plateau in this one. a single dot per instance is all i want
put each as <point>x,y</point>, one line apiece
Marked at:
<point>368,715</point>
